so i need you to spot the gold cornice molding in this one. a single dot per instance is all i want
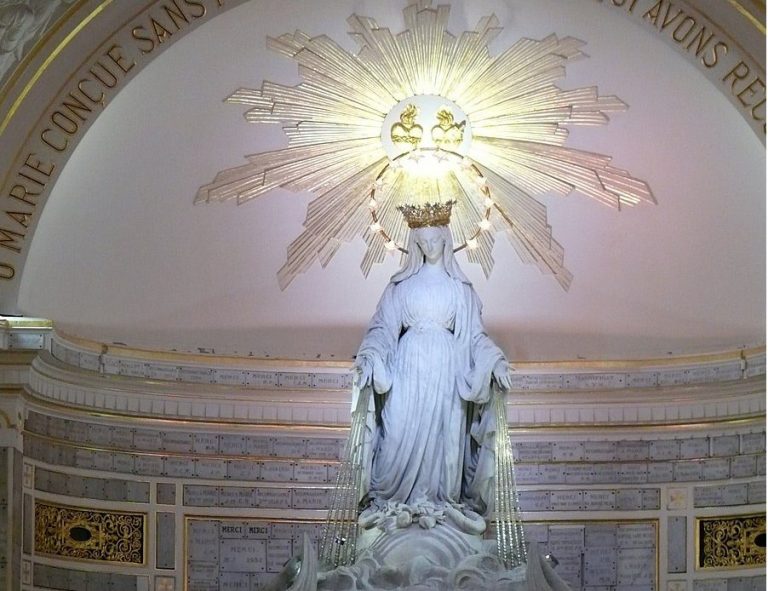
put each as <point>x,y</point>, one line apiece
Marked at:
<point>24,322</point>
<point>71,411</point>
<point>747,14</point>
<point>667,405</point>
<point>50,368</point>
<point>126,352</point>
<point>758,420</point>
<point>586,366</point>
<point>38,48</point>
<point>23,67</point>
<point>17,358</point>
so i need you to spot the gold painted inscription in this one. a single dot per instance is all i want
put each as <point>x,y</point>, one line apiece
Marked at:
<point>76,108</point>
<point>79,104</point>
<point>168,19</point>
<point>696,37</point>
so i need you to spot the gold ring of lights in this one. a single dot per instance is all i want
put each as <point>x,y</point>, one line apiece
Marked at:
<point>466,164</point>
<point>337,122</point>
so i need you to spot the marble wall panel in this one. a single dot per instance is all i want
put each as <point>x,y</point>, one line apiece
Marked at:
<point>725,445</point>
<point>293,473</point>
<point>694,447</point>
<point>751,583</point>
<point>166,541</point>
<point>600,451</point>
<point>105,489</point>
<point>743,466</point>
<point>211,469</point>
<point>677,544</point>
<point>166,493</point>
<point>721,495</point>
<point>752,443</point>
<point>66,579</point>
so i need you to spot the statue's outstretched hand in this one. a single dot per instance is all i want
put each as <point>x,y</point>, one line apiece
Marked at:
<point>501,374</point>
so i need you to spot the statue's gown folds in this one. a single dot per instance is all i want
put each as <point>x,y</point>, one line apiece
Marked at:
<point>432,442</point>
<point>431,452</point>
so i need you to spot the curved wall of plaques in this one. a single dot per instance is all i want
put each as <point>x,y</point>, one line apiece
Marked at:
<point>144,470</point>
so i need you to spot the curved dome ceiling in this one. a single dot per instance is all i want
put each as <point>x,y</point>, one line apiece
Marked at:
<point>121,254</point>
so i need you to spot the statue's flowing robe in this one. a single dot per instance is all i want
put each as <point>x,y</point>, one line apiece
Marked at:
<point>431,439</point>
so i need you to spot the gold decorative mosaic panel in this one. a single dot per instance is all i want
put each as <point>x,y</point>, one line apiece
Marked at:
<point>731,542</point>
<point>91,535</point>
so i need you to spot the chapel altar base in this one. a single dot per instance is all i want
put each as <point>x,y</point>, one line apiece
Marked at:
<point>416,559</point>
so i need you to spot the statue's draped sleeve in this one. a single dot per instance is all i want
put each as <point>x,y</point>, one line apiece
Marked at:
<point>378,349</point>
<point>380,341</point>
<point>477,357</point>
<point>477,353</point>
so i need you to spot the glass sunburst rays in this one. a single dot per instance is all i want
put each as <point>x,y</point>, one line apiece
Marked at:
<point>334,119</point>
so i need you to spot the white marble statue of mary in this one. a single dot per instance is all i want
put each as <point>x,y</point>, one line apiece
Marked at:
<point>425,461</point>
<point>431,365</point>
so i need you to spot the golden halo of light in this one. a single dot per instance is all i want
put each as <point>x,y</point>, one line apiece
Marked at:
<point>334,120</point>
<point>433,165</point>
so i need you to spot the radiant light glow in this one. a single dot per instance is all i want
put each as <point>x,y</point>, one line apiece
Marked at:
<point>426,122</point>
<point>428,176</point>
<point>421,163</point>
<point>342,117</point>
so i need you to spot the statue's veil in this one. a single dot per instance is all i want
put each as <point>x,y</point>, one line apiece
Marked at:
<point>415,258</point>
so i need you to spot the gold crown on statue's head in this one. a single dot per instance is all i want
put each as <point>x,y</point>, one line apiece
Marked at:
<point>427,214</point>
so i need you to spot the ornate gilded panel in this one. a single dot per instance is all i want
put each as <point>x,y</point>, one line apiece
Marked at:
<point>91,535</point>
<point>731,542</point>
